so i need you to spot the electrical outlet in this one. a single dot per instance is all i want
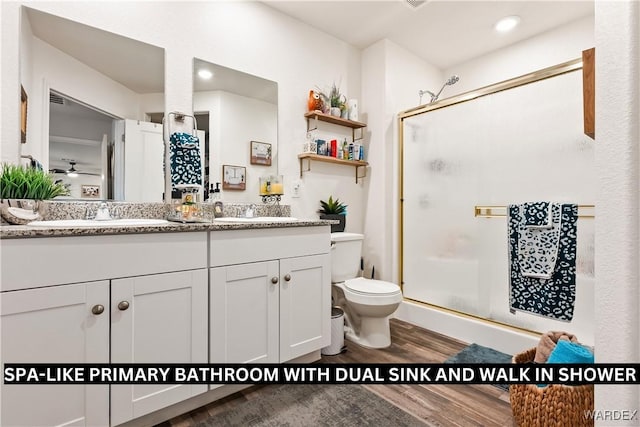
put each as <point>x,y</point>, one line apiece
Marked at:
<point>297,185</point>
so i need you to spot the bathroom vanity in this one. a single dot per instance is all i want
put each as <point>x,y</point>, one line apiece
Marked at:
<point>196,293</point>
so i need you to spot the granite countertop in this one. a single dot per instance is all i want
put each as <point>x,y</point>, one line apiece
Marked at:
<point>25,231</point>
<point>66,210</point>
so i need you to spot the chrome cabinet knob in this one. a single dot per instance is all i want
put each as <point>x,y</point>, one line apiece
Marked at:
<point>123,305</point>
<point>287,277</point>
<point>97,309</point>
<point>274,280</point>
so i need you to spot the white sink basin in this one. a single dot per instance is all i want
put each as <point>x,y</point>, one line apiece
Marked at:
<point>257,219</point>
<point>136,222</point>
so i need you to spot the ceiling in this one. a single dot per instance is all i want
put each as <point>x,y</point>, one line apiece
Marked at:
<point>442,32</point>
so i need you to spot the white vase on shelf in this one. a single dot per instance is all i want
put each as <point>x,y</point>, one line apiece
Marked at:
<point>353,109</point>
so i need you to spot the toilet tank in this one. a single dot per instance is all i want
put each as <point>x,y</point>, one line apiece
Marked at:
<point>346,250</point>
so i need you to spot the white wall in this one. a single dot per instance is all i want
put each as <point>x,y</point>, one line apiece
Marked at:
<point>235,120</point>
<point>392,77</point>
<point>617,61</point>
<point>246,36</point>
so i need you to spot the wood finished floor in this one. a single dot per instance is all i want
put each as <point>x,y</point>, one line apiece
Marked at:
<point>435,405</point>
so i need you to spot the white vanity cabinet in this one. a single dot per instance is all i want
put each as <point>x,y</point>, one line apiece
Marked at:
<point>159,318</point>
<point>270,294</point>
<point>56,325</point>
<point>146,294</point>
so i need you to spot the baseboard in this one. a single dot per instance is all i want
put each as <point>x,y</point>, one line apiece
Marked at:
<point>467,329</point>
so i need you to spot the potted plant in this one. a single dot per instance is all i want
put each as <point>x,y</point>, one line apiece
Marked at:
<point>21,190</point>
<point>336,210</point>
<point>335,100</point>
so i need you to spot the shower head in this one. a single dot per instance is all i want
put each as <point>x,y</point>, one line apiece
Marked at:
<point>434,97</point>
<point>452,80</point>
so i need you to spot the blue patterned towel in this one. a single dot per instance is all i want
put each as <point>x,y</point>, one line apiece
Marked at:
<point>186,164</point>
<point>553,297</point>
<point>537,215</point>
<point>538,246</point>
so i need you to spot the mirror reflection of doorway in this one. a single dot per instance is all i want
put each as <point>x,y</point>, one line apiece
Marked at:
<point>79,138</point>
<point>88,147</point>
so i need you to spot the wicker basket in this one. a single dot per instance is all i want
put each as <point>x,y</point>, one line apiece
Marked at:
<point>555,405</point>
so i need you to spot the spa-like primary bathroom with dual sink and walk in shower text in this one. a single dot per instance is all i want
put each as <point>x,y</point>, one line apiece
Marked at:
<point>320,185</point>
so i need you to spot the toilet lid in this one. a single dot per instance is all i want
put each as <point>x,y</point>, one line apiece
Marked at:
<point>370,286</point>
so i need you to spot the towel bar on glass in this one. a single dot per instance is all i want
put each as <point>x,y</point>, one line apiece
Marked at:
<point>584,211</point>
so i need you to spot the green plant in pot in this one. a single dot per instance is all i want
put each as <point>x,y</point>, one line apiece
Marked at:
<point>21,191</point>
<point>336,101</point>
<point>336,210</point>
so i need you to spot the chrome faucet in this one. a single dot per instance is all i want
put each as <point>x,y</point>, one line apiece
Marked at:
<point>250,212</point>
<point>103,213</point>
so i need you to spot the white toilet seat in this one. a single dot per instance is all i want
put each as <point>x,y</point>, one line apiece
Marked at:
<point>371,292</point>
<point>370,286</point>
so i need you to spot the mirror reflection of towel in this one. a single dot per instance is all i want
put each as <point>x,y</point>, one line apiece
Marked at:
<point>186,164</point>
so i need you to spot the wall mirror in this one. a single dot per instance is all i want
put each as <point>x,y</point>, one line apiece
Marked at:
<point>233,109</point>
<point>98,91</point>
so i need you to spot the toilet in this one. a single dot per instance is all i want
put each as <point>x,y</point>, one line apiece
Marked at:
<point>367,303</point>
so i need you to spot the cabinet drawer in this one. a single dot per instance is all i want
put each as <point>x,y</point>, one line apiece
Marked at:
<point>33,263</point>
<point>251,245</point>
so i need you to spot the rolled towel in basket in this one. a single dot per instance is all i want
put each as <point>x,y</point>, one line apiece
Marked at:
<point>570,352</point>
<point>548,343</point>
<point>566,351</point>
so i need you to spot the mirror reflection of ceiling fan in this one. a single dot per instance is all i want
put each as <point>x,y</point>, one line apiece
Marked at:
<point>72,172</point>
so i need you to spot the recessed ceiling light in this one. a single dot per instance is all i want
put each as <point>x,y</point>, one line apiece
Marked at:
<point>205,74</point>
<point>507,24</point>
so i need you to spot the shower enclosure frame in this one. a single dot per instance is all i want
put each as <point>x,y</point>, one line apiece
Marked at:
<point>536,76</point>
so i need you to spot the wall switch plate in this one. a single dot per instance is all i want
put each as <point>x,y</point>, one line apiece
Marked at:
<point>297,186</point>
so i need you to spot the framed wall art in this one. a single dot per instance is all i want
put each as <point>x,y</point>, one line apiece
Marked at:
<point>234,177</point>
<point>90,191</point>
<point>260,153</point>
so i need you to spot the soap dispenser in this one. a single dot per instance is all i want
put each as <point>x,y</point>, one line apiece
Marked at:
<point>218,210</point>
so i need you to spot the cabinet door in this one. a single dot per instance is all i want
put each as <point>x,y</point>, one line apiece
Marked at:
<point>159,318</point>
<point>55,325</point>
<point>305,305</point>
<point>244,313</point>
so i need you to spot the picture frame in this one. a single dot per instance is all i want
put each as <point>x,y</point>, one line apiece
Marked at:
<point>90,191</point>
<point>234,177</point>
<point>260,153</point>
<point>23,115</point>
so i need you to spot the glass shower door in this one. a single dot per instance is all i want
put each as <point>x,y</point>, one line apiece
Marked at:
<point>517,145</point>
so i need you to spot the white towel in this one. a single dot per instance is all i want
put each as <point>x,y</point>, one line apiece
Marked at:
<point>538,245</point>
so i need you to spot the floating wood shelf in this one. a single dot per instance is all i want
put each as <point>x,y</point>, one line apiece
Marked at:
<point>318,116</point>
<point>317,157</point>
